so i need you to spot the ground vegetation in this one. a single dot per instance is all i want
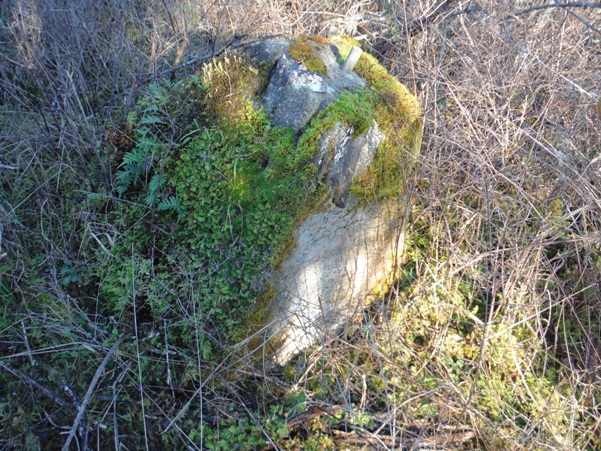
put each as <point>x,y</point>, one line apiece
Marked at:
<point>489,338</point>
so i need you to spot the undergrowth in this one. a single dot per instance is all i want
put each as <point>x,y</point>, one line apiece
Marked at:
<point>116,325</point>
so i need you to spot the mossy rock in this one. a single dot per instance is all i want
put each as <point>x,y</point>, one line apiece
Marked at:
<point>237,183</point>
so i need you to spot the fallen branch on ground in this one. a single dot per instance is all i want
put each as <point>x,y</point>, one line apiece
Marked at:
<point>558,5</point>
<point>88,396</point>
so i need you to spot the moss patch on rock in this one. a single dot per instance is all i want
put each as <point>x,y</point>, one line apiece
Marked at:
<point>351,110</point>
<point>230,82</point>
<point>399,116</point>
<point>306,52</point>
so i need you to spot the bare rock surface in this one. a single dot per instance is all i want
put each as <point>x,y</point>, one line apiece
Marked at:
<point>342,259</point>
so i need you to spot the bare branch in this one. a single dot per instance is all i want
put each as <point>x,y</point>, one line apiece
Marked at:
<point>525,51</point>
<point>416,26</point>
<point>583,20</point>
<point>88,396</point>
<point>558,5</point>
<point>25,378</point>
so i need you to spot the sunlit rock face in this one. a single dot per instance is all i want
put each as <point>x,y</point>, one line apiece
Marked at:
<point>343,258</point>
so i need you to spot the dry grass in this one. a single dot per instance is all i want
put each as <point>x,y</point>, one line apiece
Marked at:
<point>490,340</point>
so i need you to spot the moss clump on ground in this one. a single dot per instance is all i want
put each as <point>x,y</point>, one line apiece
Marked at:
<point>304,51</point>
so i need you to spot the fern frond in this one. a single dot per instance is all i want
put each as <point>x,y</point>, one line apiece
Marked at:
<point>155,183</point>
<point>170,203</point>
<point>152,120</point>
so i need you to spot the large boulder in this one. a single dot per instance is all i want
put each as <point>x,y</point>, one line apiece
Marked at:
<point>345,252</point>
<point>365,128</point>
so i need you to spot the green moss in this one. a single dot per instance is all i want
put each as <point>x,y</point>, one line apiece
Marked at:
<point>399,115</point>
<point>239,193</point>
<point>230,83</point>
<point>304,51</point>
<point>400,103</point>
<point>352,110</point>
